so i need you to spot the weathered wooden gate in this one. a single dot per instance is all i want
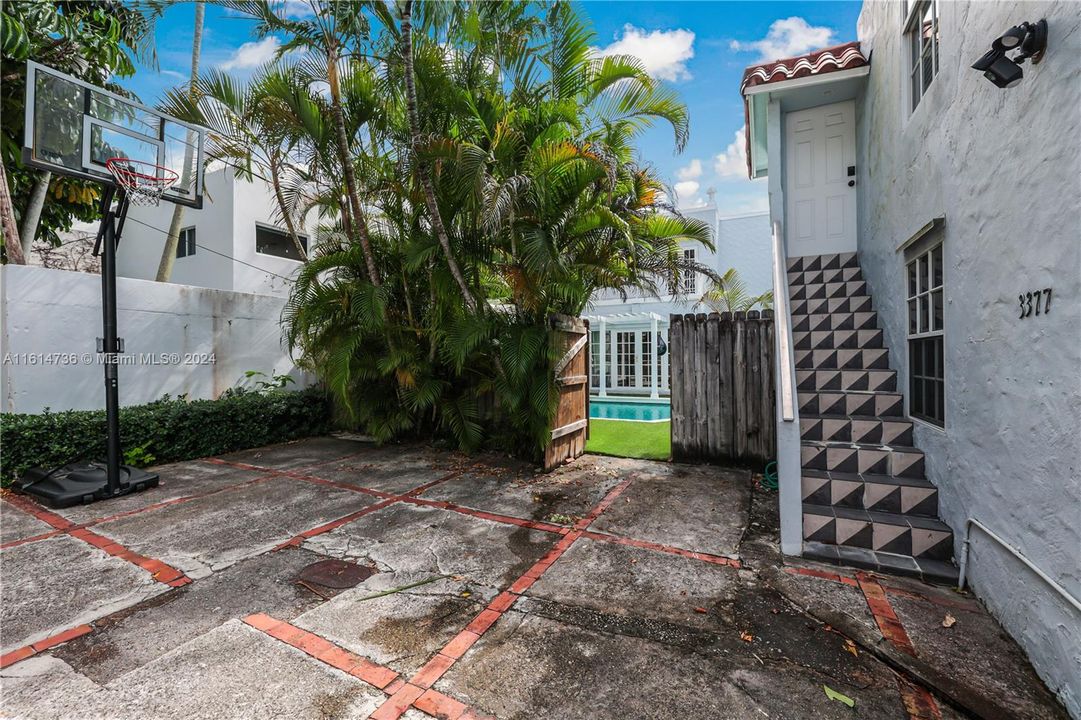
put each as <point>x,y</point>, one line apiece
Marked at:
<point>723,387</point>
<point>570,427</point>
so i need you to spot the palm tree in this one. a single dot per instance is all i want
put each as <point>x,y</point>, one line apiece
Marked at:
<point>729,294</point>
<point>168,253</point>
<point>255,127</point>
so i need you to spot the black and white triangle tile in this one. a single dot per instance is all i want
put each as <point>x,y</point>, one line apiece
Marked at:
<point>866,500</point>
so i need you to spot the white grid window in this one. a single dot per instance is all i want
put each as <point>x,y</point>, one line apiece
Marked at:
<point>625,359</point>
<point>595,358</point>
<point>647,357</point>
<point>921,36</point>
<point>926,362</point>
<point>690,278</point>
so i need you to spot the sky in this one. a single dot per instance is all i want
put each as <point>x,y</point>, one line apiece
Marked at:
<point>699,48</point>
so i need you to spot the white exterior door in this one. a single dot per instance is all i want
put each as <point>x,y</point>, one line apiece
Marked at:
<point>820,194</point>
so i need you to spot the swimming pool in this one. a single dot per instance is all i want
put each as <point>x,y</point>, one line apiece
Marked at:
<point>636,410</point>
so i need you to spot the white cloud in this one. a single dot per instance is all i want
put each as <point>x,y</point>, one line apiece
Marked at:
<point>786,38</point>
<point>690,171</point>
<point>252,54</point>
<point>664,53</point>
<point>687,193</point>
<point>733,161</point>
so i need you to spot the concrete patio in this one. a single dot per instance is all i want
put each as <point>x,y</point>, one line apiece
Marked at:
<point>611,588</point>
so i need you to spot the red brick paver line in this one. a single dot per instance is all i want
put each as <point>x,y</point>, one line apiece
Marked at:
<point>408,695</point>
<point>918,702</point>
<point>158,570</point>
<point>659,547</point>
<point>383,678</point>
<point>34,648</point>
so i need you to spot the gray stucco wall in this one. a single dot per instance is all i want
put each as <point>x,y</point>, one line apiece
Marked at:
<point>1004,169</point>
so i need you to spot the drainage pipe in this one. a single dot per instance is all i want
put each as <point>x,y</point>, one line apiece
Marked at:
<point>1013,551</point>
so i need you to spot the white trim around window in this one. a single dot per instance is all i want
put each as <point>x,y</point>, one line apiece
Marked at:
<point>921,40</point>
<point>926,306</point>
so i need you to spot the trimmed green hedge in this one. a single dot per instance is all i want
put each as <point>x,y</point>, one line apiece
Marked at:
<point>169,429</point>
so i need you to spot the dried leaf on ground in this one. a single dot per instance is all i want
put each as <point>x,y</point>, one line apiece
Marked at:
<point>839,697</point>
<point>948,621</point>
<point>851,648</point>
<point>746,636</point>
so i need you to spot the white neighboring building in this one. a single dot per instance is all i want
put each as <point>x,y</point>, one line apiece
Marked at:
<point>233,243</point>
<point>625,333</point>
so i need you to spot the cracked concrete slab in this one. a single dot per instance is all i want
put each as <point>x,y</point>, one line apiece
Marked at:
<point>693,507</point>
<point>56,584</point>
<point>211,533</point>
<point>411,539</point>
<point>139,634</point>
<point>232,671</point>
<point>528,666</point>
<point>17,525</point>
<point>561,497</point>
<point>976,646</point>
<point>177,480</point>
<point>396,625</point>
<point>626,580</point>
<point>299,454</point>
<point>392,472</point>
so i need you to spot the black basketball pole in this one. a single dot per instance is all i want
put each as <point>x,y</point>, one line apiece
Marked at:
<point>110,343</point>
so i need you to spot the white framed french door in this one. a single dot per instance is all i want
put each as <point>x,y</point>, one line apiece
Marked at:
<point>631,362</point>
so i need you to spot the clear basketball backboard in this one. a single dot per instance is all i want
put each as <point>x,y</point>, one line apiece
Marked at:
<point>74,128</point>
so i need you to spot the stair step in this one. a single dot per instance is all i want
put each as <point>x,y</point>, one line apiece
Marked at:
<point>817,322</point>
<point>878,493</point>
<point>804,263</point>
<point>861,403</point>
<point>809,277</point>
<point>843,359</point>
<point>825,306</point>
<point>845,380</point>
<point>822,291</point>
<point>872,459</point>
<point>856,429</point>
<point>837,340</point>
<point>930,571</point>
<point>912,535</point>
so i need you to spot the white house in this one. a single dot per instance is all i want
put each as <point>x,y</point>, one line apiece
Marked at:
<point>928,280</point>
<point>235,242</point>
<point>629,336</point>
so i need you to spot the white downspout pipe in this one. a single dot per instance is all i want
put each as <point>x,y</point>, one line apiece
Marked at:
<point>1013,551</point>
<point>654,372</point>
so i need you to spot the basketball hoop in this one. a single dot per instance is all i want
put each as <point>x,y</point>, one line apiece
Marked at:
<point>142,182</point>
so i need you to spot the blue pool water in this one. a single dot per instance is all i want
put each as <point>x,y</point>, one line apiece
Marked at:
<point>609,409</point>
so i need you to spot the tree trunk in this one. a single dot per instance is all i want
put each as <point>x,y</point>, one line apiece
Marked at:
<point>32,215</point>
<point>7,222</point>
<point>168,253</point>
<point>360,223</point>
<point>422,169</point>
<point>286,217</point>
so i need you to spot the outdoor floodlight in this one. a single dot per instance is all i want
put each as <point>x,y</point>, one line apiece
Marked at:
<point>1005,71</point>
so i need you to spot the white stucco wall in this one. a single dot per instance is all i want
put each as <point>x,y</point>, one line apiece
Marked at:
<point>226,225</point>
<point>1003,168</point>
<point>55,311</point>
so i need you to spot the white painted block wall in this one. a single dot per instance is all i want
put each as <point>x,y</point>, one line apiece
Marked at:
<point>56,311</point>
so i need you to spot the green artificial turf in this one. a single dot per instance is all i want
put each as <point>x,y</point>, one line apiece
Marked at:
<point>622,438</point>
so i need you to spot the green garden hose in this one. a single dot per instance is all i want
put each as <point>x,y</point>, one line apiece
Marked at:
<point>769,476</point>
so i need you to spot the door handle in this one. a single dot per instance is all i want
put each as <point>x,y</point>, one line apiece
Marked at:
<point>851,183</point>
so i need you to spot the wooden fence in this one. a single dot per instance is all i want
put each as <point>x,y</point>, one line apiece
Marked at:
<point>722,387</point>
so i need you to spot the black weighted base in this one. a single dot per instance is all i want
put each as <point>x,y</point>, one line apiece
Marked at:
<point>82,483</point>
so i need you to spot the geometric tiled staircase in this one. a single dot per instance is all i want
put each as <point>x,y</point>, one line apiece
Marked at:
<point>866,502</point>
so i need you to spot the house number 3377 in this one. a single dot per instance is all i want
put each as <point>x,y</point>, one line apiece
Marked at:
<point>1035,302</point>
